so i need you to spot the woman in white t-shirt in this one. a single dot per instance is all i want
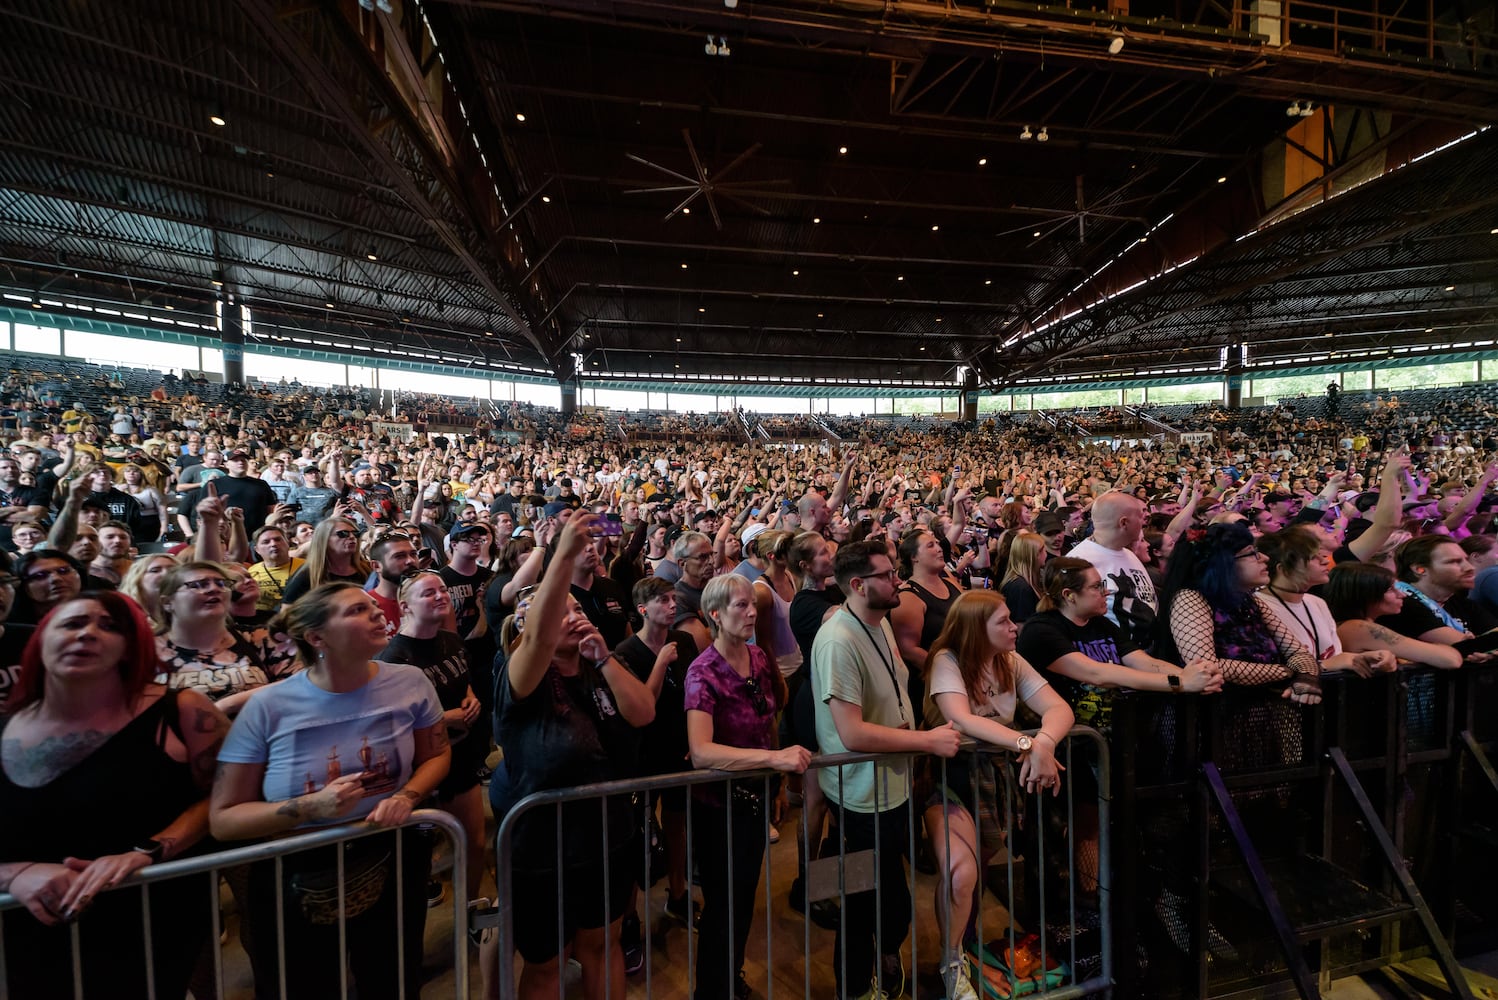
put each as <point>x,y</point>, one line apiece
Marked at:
<point>1297,563</point>
<point>974,681</point>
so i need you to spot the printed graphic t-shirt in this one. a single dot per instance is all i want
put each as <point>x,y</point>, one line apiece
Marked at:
<point>306,737</point>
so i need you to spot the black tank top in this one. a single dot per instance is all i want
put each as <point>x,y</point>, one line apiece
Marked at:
<point>936,612</point>
<point>123,793</point>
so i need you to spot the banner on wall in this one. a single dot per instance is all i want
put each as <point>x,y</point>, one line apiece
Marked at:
<point>1197,437</point>
<point>394,431</point>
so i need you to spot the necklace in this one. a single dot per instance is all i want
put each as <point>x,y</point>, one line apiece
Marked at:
<point>1309,623</point>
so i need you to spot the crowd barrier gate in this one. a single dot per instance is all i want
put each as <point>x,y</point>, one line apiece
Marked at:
<point>1030,862</point>
<point>274,851</point>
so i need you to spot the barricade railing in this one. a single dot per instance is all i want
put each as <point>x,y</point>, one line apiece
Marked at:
<point>1261,843</point>
<point>90,982</point>
<point>1055,929</point>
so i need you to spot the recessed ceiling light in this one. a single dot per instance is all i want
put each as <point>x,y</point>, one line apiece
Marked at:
<point>923,347</point>
<point>686,211</point>
<point>820,315</point>
<point>683,265</point>
<point>899,277</point>
<point>678,366</point>
<point>702,309</point>
<point>1450,288</point>
<point>1222,180</point>
<point>1036,234</point>
<point>218,119</point>
<point>842,150</point>
<point>370,253</point>
<point>327,304</point>
<point>988,281</point>
<point>1493,232</point>
<point>796,274</point>
<point>817,221</point>
<point>678,340</point>
<point>520,116</point>
<point>935,228</point>
<point>982,161</point>
<point>938,319</point>
<point>546,199</point>
<point>169,307</point>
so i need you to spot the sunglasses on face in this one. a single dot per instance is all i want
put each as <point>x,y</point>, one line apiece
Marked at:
<point>345,533</point>
<point>210,583</point>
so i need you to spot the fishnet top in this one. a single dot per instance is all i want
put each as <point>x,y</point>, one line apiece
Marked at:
<point>1250,643</point>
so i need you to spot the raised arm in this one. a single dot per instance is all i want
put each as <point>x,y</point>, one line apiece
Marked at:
<point>1388,510</point>
<point>543,624</point>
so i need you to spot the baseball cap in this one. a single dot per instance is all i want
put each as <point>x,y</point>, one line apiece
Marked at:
<point>467,528</point>
<point>237,456</point>
<point>361,465</point>
<point>750,532</point>
<point>555,507</point>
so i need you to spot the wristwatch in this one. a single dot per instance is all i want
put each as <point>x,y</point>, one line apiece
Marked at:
<point>1023,744</point>
<point>153,849</point>
<point>1174,681</point>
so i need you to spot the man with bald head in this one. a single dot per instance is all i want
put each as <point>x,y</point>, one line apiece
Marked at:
<point>1117,522</point>
<point>813,512</point>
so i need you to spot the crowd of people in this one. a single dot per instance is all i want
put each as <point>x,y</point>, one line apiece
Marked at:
<point>216,630</point>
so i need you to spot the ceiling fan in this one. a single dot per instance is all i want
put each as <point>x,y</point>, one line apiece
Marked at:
<point>707,186</point>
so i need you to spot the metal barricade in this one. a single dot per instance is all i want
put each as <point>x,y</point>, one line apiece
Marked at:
<point>208,868</point>
<point>1052,930</point>
<point>1264,845</point>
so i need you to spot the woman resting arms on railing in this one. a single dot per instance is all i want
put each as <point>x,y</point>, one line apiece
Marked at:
<point>347,738</point>
<point>104,773</point>
<point>732,696</point>
<point>1213,613</point>
<point>974,681</point>
<point>1359,593</point>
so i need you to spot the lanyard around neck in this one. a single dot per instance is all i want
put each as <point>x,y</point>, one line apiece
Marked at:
<point>881,646</point>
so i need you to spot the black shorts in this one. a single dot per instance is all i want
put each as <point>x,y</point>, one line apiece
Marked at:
<point>580,898</point>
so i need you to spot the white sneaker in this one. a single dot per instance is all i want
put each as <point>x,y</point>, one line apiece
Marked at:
<point>954,977</point>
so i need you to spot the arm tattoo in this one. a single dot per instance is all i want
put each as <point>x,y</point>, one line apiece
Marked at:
<point>206,722</point>
<point>291,809</point>
<point>35,766</point>
<point>1381,634</point>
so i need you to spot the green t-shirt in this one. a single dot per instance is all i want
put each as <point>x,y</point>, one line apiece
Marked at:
<point>846,664</point>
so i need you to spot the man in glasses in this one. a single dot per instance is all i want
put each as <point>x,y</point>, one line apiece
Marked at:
<point>693,552</point>
<point>860,687</point>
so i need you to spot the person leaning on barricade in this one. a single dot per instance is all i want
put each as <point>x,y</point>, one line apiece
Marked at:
<point>1213,612</point>
<point>975,680</point>
<point>347,738</point>
<point>860,687</point>
<point>102,774</point>
<point>733,692</point>
<point>565,714</point>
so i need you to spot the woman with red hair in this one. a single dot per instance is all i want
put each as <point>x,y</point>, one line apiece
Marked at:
<point>102,773</point>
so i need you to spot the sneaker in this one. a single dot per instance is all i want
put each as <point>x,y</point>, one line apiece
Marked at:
<point>958,985</point>
<point>435,892</point>
<point>630,943</point>
<point>892,975</point>
<point>678,908</point>
<point>774,834</point>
